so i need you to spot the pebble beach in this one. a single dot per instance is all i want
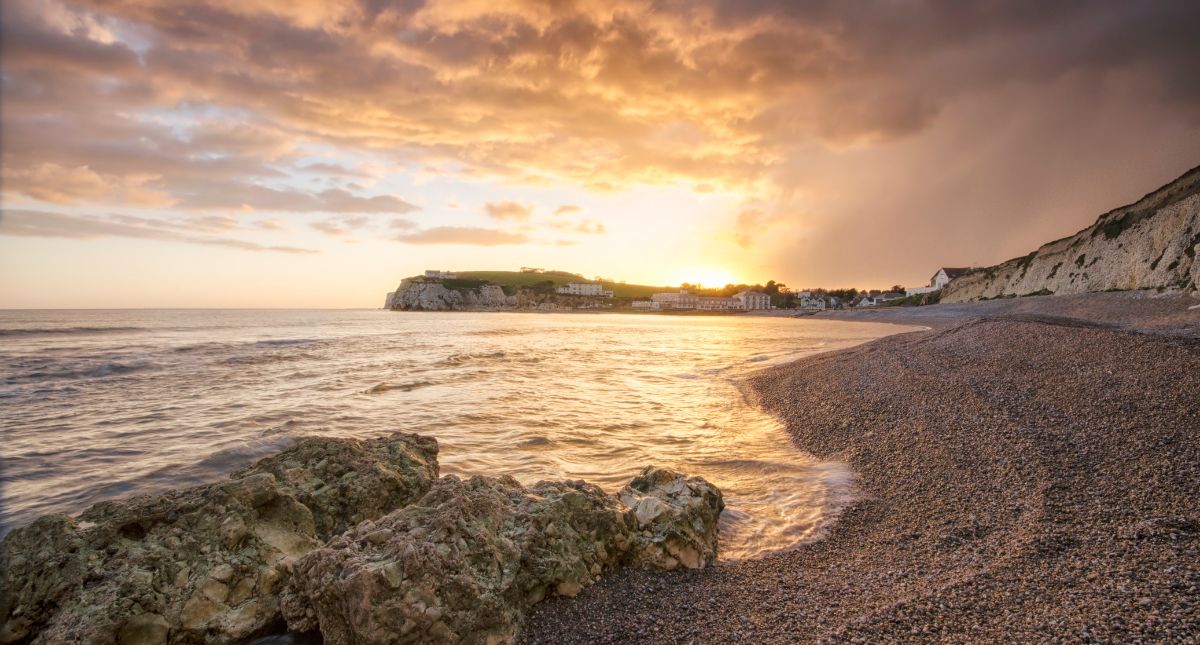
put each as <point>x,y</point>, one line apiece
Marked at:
<point>1027,471</point>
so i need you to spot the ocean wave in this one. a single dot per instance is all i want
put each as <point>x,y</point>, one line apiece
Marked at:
<point>403,387</point>
<point>66,331</point>
<point>264,359</point>
<point>464,358</point>
<point>286,342</point>
<point>93,371</point>
<point>501,332</point>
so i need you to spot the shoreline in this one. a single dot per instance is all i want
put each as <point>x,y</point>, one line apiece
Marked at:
<point>1028,470</point>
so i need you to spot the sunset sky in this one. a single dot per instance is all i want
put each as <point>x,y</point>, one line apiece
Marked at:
<point>175,153</point>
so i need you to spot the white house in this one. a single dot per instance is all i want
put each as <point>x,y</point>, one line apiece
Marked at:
<point>752,300</point>
<point>718,304</point>
<point>817,304</point>
<point>672,300</point>
<point>645,304</point>
<point>584,289</point>
<point>945,274</point>
<point>440,275</point>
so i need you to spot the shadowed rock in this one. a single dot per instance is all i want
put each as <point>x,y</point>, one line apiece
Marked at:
<point>465,562</point>
<point>203,564</point>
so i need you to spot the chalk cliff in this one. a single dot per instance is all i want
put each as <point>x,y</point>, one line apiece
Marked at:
<point>426,295</point>
<point>1151,243</point>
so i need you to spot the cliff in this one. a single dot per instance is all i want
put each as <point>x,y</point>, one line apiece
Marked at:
<point>1151,243</point>
<point>416,294</point>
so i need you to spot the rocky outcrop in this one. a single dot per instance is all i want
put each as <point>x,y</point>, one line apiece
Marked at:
<point>1151,243</point>
<point>465,562</point>
<point>676,519</point>
<point>206,564</point>
<point>420,294</point>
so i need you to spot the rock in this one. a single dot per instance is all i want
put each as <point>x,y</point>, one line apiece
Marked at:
<point>421,294</point>
<point>144,629</point>
<point>676,519</point>
<point>1152,243</point>
<point>465,562</point>
<point>203,564</point>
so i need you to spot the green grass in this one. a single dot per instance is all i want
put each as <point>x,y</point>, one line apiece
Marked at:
<point>519,279</point>
<point>513,280</point>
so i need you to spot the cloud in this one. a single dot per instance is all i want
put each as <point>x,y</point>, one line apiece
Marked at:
<point>270,225</point>
<point>586,227</point>
<point>209,105</point>
<point>510,211</point>
<point>233,196</point>
<point>464,235</point>
<point>750,224</point>
<point>29,223</point>
<point>567,209</point>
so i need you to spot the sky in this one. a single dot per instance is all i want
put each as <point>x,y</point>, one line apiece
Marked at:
<point>311,153</point>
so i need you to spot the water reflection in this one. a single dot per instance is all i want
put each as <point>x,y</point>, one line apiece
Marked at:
<point>107,404</point>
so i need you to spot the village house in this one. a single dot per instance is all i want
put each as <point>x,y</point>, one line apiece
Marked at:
<point>940,279</point>
<point>815,304</point>
<point>440,275</point>
<point>584,289</point>
<point>673,300</point>
<point>718,304</point>
<point>753,300</point>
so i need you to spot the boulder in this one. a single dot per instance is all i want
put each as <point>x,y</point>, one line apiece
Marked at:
<point>465,562</point>
<point>675,519</point>
<point>204,564</point>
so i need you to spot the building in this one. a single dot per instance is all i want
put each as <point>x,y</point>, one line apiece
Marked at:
<point>440,275</point>
<point>584,289</point>
<point>752,300</point>
<point>816,304</point>
<point>672,300</point>
<point>718,304</point>
<point>890,295</point>
<point>646,304</point>
<point>944,275</point>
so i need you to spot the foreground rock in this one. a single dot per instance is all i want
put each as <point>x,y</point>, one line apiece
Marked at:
<point>465,562</point>
<point>202,565</point>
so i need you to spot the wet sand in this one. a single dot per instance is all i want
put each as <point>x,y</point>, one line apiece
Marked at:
<point>1029,470</point>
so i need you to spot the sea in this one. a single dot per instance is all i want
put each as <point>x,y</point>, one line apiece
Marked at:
<point>98,405</point>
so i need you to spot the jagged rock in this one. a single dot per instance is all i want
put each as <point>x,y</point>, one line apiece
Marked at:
<point>206,564</point>
<point>1152,243</point>
<point>465,562</point>
<point>676,519</point>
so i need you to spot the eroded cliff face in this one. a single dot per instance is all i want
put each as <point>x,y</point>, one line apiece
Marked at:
<point>1149,244</point>
<point>420,295</point>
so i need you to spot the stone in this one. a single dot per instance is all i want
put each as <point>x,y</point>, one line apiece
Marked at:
<point>676,518</point>
<point>465,562</point>
<point>99,578</point>
<point>144,629</point>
